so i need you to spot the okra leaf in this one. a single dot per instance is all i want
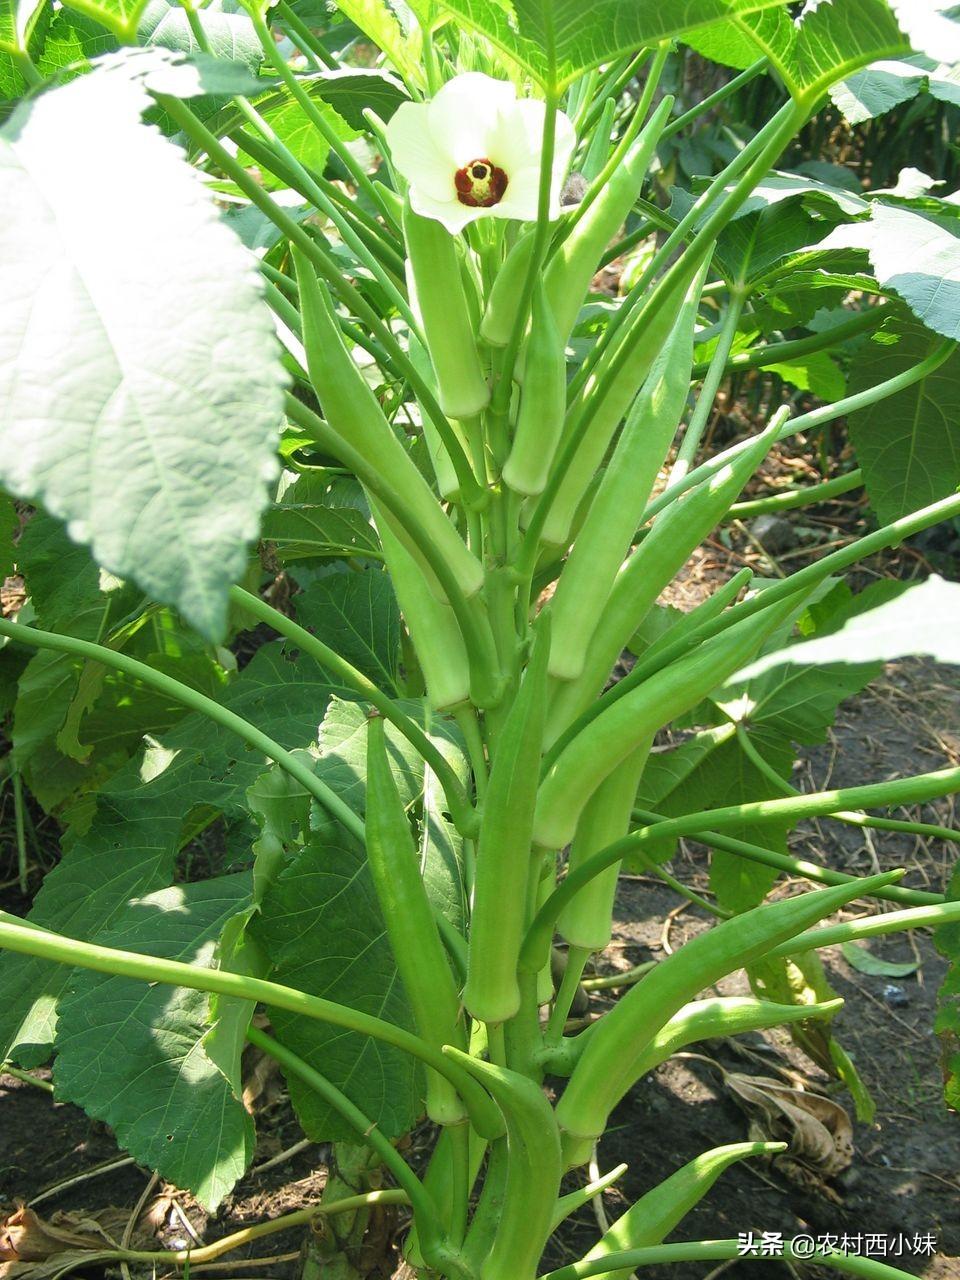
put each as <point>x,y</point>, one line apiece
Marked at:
<point>8,528</point>
<point>131,1054</point>
<point>316,519</point>
<point>120,16</point>
<point>947,1025</point>
<point>321,926</point>
<point>229,36</point>
<point>72,41</point>
<point>907,444</point>
<point>825,43</point>
<point>148,809</point>
<point>387,26</point>
<point>933,26</point>
<point>356,614</point>
<point>527,29</point>
<point>149,434</point>
<point>355,89</point>
<point>914,255</point>
<point>22,27</point>
<point>887,84</point>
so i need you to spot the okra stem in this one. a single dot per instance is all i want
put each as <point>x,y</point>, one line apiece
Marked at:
<point>196,701</point>
<point>923,786</point>
<point>719,95</point>
<point>775,352</point>
<point>876,926</point>
<point>708,391</point>
<point>27,939</point>
<point>461,810</point>
<point>790,499</point>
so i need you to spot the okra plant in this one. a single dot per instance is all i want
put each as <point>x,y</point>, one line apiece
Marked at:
<point>330,280</point>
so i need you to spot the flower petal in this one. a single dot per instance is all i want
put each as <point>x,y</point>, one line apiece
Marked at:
<point>464,116</point>
<point>454,215</point>
<point>522,196</point>
<point>414,153</point>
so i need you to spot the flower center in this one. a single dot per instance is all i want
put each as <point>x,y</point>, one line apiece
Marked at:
<point>480,183</point>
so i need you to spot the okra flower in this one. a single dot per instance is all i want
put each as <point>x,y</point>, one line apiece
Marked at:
<point>474,152</point>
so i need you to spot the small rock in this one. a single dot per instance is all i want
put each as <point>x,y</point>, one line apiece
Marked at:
<point>774,533</point>
<point>895,996</point>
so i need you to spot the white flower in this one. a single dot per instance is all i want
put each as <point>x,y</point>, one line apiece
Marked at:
<point>474,152</point>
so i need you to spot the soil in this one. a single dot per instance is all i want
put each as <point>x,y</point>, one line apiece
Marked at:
<point>905,1175</point>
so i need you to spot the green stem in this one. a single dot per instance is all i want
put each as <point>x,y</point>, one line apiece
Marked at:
<point>788,863</point>
<point>777,352</point>
<point>874,927</point>
<point>767,770</point>
<point>809,421</point>
<point>23,865</point>
<point>793,809</point>
<point>8,1069</point>
<point>25,938</point>
<point>714,99</point>
<point>577,958</point>
<point>424,1206</point>
<point>887,536</point>
<point>196,701</point>
<point>460,808</point>
<point>315,46</point>
<point>708,392</point>
<point>626,1260</point>
<point>333,275</point>
<point>793,498</point>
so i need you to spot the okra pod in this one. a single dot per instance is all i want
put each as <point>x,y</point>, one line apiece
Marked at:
<point>609,1063</point>
<point>574,265</point>
<point>656,1214</point>
<point>431,622</point>
<point>588,920</point>
<point>543,404</point>
<point>448,483</point>
<point>442,301</point>
<point>352,411</point>
<point>595,415</point>
<point>506,293</point>
<point>421,959</point>
<point>503,875</point>
<point>533,1170</point>
<point>617,509</point>
<point>597,750</point>
<point>675,534</point>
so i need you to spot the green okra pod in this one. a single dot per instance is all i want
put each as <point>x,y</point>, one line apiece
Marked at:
<point>654,1215</point>
<point>675,534</point>
<point>609,1063</point>
<point>618,506</point>
<point>543,404</point>
<point>502,885</point>
<point>421,959</point>
<point>588,919</point>
<point>431,622</point>
<point>352,411</point>
<point>447,326</point>
<point>595,415</point>
<point>448,482</point>
<point>575,263</point>
<point>532,1172</point>
<point>631,720</point>
<point>506,293</point>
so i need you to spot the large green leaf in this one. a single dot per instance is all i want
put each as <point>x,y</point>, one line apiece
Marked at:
<point>153,431</point>
<point>147,810</point>
<point>356,614</point>
<point>317,519</point>
<point>73,40</point>
<point>321,926</point>
<point>389,27</point>
<point>131,1054</point>
<point>22,27</point>
<point>228,35</point>
<point>917,257</point>
<point>887,84</point>
<point>580,39</point>
<point>825,44</point>
<point>908,444</point>
<point>8,527</point>
<point>120,16</point>
<point>947,1026</point>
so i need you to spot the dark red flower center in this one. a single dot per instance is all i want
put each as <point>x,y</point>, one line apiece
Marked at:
<point>480,183</point>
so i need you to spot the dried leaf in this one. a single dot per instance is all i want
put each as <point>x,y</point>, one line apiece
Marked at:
<point>818,1130</point>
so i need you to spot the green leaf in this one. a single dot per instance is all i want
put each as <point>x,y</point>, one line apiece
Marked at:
<point>526,29</point>
<point>907,444</point>
<point>354,89</point>
<point>817,373</point>
<point>131,1054</point>
<point>932,26</point>
<point>321,926</point>
<point>9,524</point>
<point>141,280</point>
<point>878,89</point>
<point>922,618</point>
<point>120,16</point>
<point>826,43</point>
<point>317,519</point>
<point>401,42</point>
<point>73,41</point>
<point>356,614</point>
<point>147,810</point>
<point>23,24</point>
<point>917,257</point>
<point>862,959</point>
<point>230,36</point>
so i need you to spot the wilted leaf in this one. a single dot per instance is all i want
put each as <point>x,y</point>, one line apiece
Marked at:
<point>817,1129</point>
